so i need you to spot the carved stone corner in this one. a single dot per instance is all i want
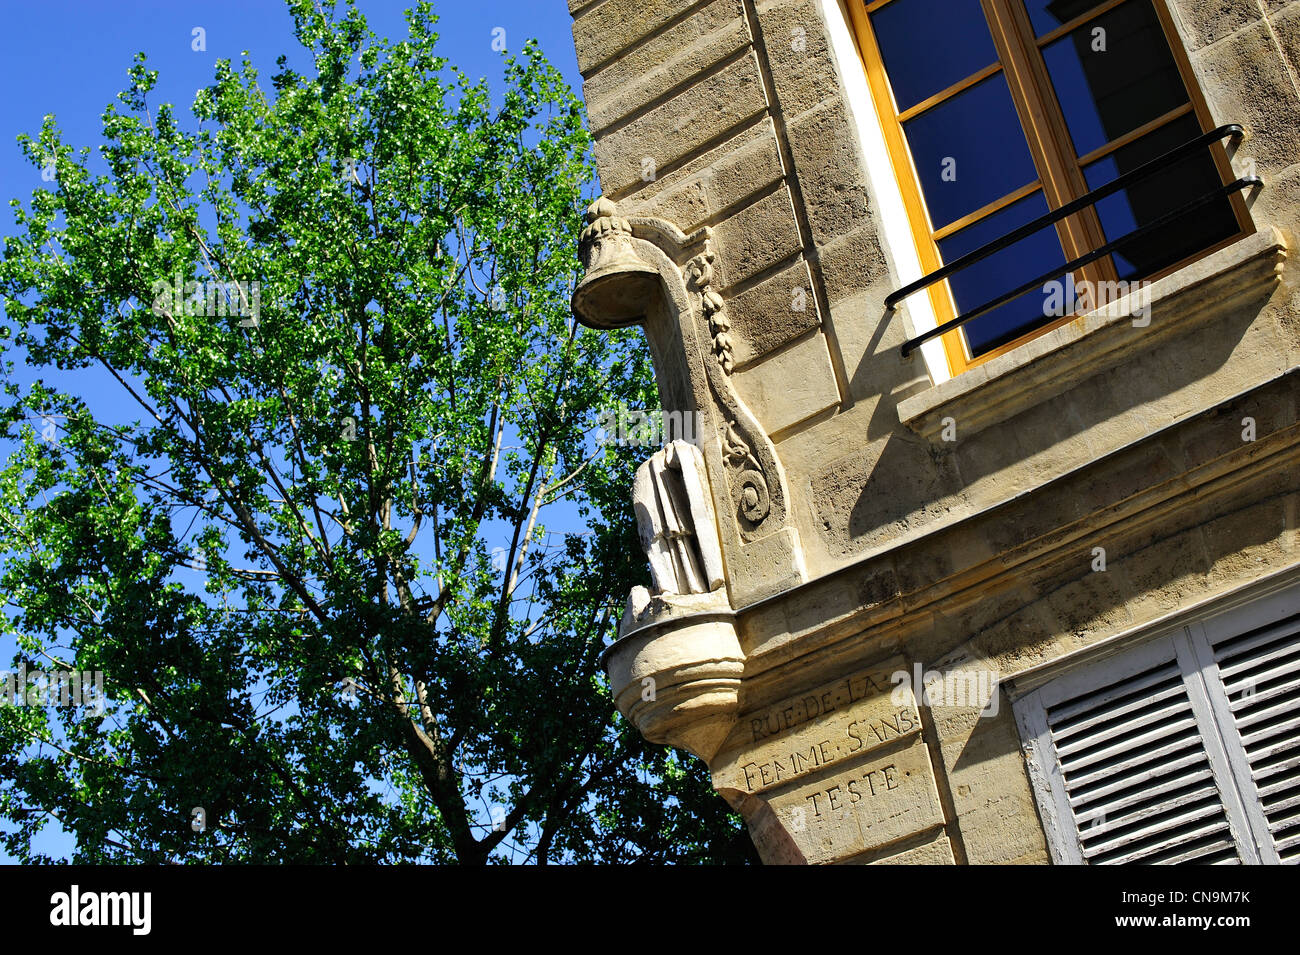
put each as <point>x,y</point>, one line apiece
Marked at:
<point>676,669</point>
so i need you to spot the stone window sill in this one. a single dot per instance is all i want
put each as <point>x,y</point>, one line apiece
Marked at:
<point>1043,368</point>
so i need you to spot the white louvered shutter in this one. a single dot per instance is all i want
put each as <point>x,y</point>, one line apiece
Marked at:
<point>1137,779</point>
<point>1259,674</point>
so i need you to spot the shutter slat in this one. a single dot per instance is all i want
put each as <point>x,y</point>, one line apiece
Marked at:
<point>1278,785</point>
<point>1070,730</point>
<point>1157,742</point>
<point>1261,753</point>
<point>1135,721</point>
<point>1283,697</point>
<point>1262,772</point>
<point>1156,826</point>
<point>1136,791</point>
<point>1286,815</point>
<point>1286,663</point>
<point>1092,829</point>
<point>1287,729</point>
<point>1225,849</point>
<point>1233,647</point>
<point>1143,773</point>
<point>1211,828</point>
<point>1243,688</point>
<point>1288,845</point>
<point>1279,806</point>
<point>1288,690</point>
<point>1136,762</point>
<point>1063,712</point>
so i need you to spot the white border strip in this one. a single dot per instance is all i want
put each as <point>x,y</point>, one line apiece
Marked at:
<point>895,230</point>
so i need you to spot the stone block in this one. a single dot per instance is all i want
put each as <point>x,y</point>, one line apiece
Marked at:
<point>652,70</point>
<point>935,851</point>
<point>671,132</point>
<point>879,492</point>
<point>603,31</point>
<point>790,385</point>
<point>853,263</point>
<point>878,801</point>
<point>828,725</point>
<point>744,172</point>
<point>1286,27</point>
<point>746,165</point>
<point>1095,603</point>
<point>772,313</point>
<point>798,53</point>
<point>1202,22</point>
<point>1245,81</point>
<point>757,237</point>
<point>828,163</point>
<point>986,774</point>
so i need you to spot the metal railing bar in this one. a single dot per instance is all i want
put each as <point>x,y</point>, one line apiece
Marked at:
<point>1069,209</point>
<point>1063,270</point>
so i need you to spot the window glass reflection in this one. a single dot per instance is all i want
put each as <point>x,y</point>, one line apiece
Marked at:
<point>928,45</point>
<point>1113,74</point>
<point>1047,15</point>
<point>1002,272</point>
<point>969,151</point>
<point>1147,200</point>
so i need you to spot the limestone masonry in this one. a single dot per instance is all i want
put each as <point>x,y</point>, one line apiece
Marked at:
<point>910,616</point>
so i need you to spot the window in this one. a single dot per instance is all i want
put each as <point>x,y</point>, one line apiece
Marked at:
<point>1184,749</point>
<point>996,112</point>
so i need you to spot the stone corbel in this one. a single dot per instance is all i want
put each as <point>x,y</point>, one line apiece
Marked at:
<point>712,510</point>
<point>646,271</point>
<point>677,666</point>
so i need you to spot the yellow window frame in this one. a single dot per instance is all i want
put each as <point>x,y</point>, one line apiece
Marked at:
<point>1060,172</point>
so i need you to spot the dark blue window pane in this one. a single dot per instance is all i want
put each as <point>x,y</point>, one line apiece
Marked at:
<point>1002,272</point>
<point>1113,74</point>
<point>928,45</point>
<point>969,151</point>
<point>1047,15</point>
<point>1162,193</point>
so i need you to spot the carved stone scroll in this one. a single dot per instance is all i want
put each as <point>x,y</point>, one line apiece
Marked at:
<point>746,449</point>
<point>643,270</point>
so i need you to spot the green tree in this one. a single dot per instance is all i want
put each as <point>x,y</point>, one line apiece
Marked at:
<point>312,556</point>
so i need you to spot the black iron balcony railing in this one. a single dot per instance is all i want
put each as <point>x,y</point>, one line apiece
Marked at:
<point>1142,172</point>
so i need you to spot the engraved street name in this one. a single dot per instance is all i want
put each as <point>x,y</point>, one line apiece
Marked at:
<point>797,736</point>
<point>877,802</point>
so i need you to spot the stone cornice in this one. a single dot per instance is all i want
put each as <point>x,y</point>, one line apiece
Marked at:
<point>773,635</point>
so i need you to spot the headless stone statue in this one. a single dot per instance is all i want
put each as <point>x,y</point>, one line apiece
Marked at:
<point>674,515</point>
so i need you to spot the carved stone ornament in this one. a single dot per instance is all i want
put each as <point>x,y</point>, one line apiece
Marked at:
<point>618,288</point>
<point>677,665</point>
<point>740,434</point>
<point>616,283</point>
<point>699,275</point>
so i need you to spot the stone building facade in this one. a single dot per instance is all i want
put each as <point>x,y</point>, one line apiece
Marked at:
<point>1036,601</point>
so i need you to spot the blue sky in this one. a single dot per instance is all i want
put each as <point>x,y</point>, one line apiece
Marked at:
<point>69,58</point>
